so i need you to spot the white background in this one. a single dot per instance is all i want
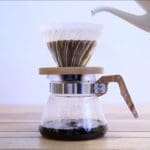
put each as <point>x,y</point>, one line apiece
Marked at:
<point>123,49</point>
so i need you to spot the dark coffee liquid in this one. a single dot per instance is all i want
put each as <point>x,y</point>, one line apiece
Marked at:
<point>73,129</point>
<point>71,52</point>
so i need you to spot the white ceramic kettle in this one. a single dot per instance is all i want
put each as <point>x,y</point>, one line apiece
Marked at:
<point>142,21</point>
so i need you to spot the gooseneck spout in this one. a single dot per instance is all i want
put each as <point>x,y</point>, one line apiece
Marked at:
<point>142,21</point>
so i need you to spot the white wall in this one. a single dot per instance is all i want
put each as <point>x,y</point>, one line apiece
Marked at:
<point>123,49</point>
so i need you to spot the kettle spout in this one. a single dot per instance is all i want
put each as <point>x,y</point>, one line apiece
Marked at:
<point>142,22</point>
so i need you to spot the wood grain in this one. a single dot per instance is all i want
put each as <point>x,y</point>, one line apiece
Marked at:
<point>105,143</point>
<point>19,130</point>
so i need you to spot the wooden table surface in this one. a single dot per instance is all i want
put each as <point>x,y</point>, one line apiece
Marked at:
<point>19,130</point>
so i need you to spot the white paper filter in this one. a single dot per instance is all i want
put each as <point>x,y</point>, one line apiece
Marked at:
<point>71,44</point>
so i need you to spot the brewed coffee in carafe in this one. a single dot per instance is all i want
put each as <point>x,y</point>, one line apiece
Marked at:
<point>74,111</point>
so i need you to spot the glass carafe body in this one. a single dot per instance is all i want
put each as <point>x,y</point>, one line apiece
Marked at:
<point>73,117</point>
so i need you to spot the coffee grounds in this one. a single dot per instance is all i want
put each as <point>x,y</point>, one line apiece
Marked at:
<point>69,53</point>
<point>73,129</point>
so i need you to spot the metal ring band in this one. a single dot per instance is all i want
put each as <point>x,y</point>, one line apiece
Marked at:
<point>77,88</point>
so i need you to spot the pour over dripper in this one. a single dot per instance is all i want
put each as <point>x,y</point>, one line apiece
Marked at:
<point>73,110</point>
<point>71,44</point>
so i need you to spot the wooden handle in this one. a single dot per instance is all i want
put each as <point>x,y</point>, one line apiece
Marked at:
<point>123,90</point>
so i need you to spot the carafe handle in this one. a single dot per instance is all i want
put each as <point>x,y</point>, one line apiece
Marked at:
<point>123,90</point>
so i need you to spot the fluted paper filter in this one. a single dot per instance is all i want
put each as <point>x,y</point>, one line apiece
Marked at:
<point>71,44</point>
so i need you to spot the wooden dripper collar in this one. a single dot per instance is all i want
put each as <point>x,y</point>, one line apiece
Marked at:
<point>70,70</point>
